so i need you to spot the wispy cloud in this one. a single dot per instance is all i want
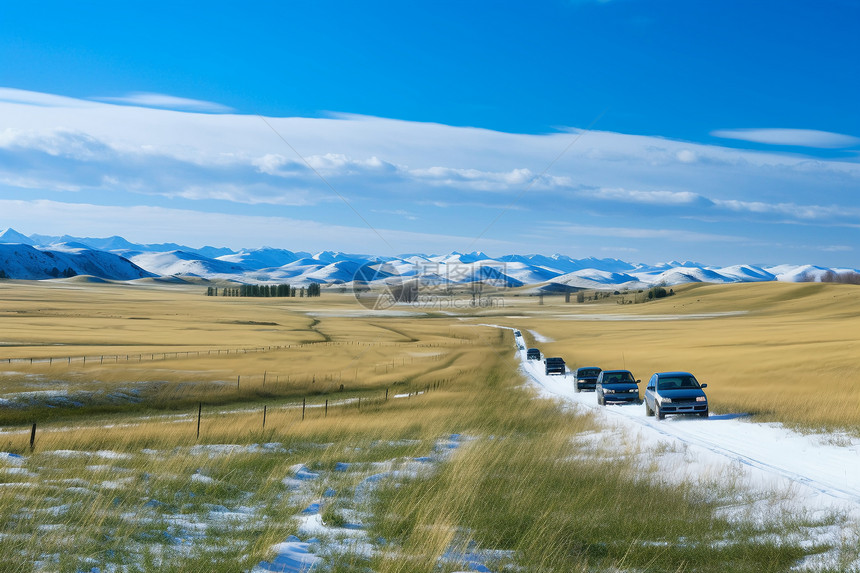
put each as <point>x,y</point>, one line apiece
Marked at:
<point>149,224</point>
<point>649,197</point>
<point>165,101</point>
<point>794,137</point>
<point>618,190</point>
<point>793,210</point>
<point>680,235</point>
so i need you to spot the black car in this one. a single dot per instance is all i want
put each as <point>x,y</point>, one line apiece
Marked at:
<point>555,365</point>
<point>585,378</point>
<point>618,386</point>
<point>675,393</point>
<point>532,354</point>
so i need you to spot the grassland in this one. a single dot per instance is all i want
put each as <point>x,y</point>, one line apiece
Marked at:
<point>783,352</point>
<point>119,479</point>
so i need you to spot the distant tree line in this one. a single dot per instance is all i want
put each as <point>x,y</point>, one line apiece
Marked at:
<point>54,272</point>
<point>266,291</point>
<point>68,273</point>
<point>850,278</point>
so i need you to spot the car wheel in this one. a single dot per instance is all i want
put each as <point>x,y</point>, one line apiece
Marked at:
<point>648,411</point>
<point>600,400</point>
<point>576,387</point>
<point>704,414</point>
<point>660,415</point>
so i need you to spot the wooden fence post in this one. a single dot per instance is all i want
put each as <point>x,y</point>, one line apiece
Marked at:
<point>326,409</point>
<point>264,417</point>
<point>303,408</point>
<point>199,414</point>
<point>33,437</point>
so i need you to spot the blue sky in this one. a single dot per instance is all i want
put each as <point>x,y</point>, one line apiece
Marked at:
<point>722,132</point>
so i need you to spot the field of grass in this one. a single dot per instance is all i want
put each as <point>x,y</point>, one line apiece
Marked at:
<point>784,352</point>
<point>119,479</point>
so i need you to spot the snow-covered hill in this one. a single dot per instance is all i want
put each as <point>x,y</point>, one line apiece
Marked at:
<point>174,263</point>
<point>43,256</point>
<point>20,261</point>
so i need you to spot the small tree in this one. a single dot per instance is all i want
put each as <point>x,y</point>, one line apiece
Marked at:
<point>657,292</point>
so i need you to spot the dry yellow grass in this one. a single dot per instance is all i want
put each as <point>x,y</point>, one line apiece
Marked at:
<point>174,343</point>
<point>785,351</point>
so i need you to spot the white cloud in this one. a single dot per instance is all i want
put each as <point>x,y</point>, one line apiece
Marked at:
<point>686,156</point>
<point>239,163</point>
<point>164,101</point>
<point>148,224</point>
<point>650,197</point>
<point>680,235</point>
<point>797,137</point>
<point>793,210</point>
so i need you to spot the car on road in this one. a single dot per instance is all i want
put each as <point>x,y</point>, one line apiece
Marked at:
<point>585,378</point>
<point>532,354</point>
<point>617,386</point>
<point>555,365</point>
<point>675,393</point>
<point>517,333</point>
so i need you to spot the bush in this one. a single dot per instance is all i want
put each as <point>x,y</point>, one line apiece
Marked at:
<point>657,292</point>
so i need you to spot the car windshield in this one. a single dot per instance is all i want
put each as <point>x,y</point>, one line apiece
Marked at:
<point>589,372</point>
<point>677,383</point>
<point>617,378</point>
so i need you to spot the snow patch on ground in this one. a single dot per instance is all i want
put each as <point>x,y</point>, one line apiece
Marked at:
<point>539,337</point>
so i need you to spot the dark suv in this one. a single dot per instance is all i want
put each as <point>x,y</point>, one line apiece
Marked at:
<point>585,378</point>
<point>617,386</point>
<point>675,393</point>
<point>555,365</point>
<point>533,354</point>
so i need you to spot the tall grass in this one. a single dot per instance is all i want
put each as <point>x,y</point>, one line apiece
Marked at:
<point>526,485</point>
<point>137,490</point>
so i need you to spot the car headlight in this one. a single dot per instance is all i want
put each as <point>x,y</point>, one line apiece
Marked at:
<point>608,391</point>
<point>701,399</point>
<point>665,400</point>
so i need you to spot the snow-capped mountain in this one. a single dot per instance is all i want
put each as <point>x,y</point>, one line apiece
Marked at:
<point>13,236</point>
<point>20,261</point>
<point>263,258</point>
<point>173,263</point>
<point>115,258</point>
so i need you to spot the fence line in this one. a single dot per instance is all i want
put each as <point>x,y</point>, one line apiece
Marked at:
<point>153,356</point>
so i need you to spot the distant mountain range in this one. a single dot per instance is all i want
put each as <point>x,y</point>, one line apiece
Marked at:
<point>40,257</point>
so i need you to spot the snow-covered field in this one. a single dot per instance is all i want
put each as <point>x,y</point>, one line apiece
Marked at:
<point>790,473</point>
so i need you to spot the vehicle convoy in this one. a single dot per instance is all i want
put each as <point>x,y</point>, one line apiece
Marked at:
<point>675,393</point>
<point>532,354</point>
<point>555,365</point>
<point>618,386</point>
<point>585,378</point>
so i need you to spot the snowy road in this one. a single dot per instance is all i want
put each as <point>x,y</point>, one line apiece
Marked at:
<point>821,471</point>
